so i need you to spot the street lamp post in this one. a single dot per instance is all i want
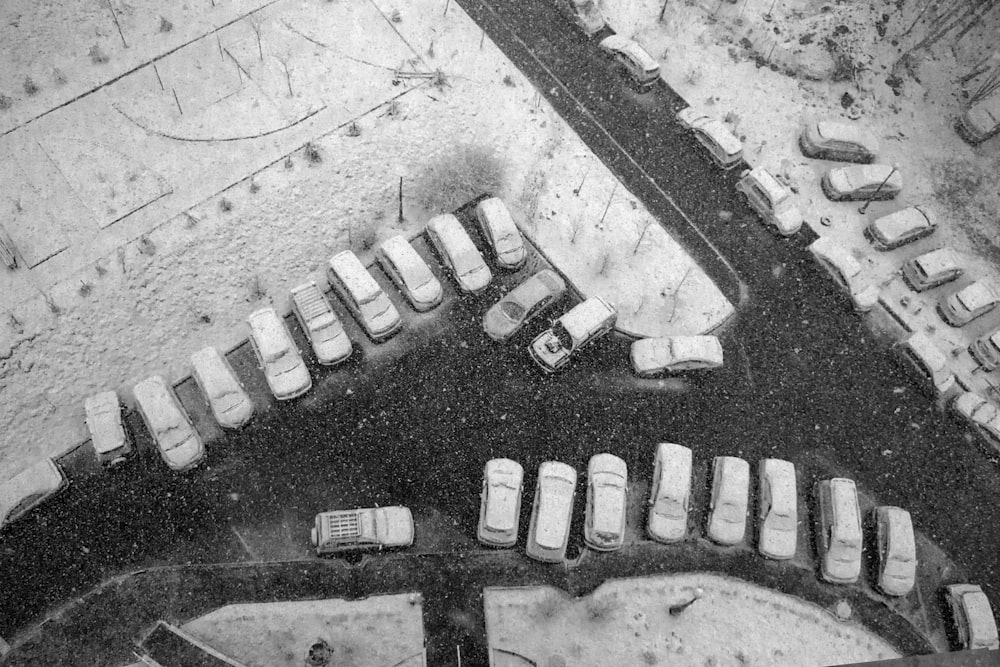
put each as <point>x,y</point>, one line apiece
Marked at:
<point>864,207</point>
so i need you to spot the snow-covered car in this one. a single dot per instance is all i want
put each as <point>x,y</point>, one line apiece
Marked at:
<point>929,362</point>
<point>727,512</point>
<point>410,273</point>
<point>500,503</point>
<point>229,401</point>
<point>897,550</point>
<point>982,415</point>
<point>585,15</point>
<point>931,269</point>
<point>972,301</point>
<point>607,491</point>
<point>339,531</point>
<point>975,625</point>
<point>777,509</point>
<point>985,350</point>
<point>771,200</point>
<point>580,326</point>
<point>839,530</point>
<point>551,513</point>
<point>107,430</point>
<point>519,306</point>
<point>834,140</point>
<point>30,488</point>
<point>632,60</point>
<point>862,182</point>
<point>500,231</point>
<point>181,448</point>
<point>459,253</point>
<point>277,355</point>
<point>845,271</point>
<point>675,354</point>
<point>363,296</point>
<point>902,227</point>
<point>325,331</point>
<point>980,121</point>
<point>670,493</point>
<point>723,147</point>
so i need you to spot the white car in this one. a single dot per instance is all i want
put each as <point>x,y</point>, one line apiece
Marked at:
<point>846,272</point>
<point>878,182</point>
<point>363,296</point>
<point>329,341</point>
<point>501,232</point>
<point>459,253</point>
<point>607,493</point>
<point>364,529</point>
<point>29,488</point>
<point>839,538</point>
<point>981,414</point>
<point>580,326</point>
<point>723,147</point>
<point>973,617</point>
<point>181,448</point>
<point>107,431</point>
<point>500,503</point>
<point>834,140</point>
<point>985,350</point>
<point>772,201</point>
<point>930,363</point>
<point>972,301</point>
<point>410,273</point>
<point>277,355</point>
<point>897,551</point>
<point>675,354</point>
<point>551,513</point>
<point>902,227</point>
<point>980,121</point>
<point>727,517</point>
<point>230,404</point>
<point>778,509</point>
<point>933,268</point>
<point>632,60</point>
<point>670,493</point>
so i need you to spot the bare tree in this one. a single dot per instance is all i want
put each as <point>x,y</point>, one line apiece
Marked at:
<point>605,264</point>
<point>674,292</point>
<point>944,19</point>
<point>255,26</point>
<point>288,74</point>
<point>575,227</point>
<point>642,236</point>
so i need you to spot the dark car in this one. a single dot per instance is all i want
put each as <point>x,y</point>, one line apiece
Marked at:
<point>522,303</point>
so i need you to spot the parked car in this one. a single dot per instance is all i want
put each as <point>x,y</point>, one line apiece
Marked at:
<point>897,550</point>
<point>985,350</point>
<point>833,140</point>
<point>410,273</point>
<point>500,503</point>
<point>862,182</point>
<point>230,404</point>
<point>981,414</point>
<point>500,231</point>
<point>931,269</point>
<point>580,326</point>
<point>727,512</point>
<point>632,60</point>
<point>322,327</point>
<point>839,530</point>
<point>107,431</point>
<point>585,15</point>
<point>980,121</point>
<point>772,200</point>
<point>277,355</point>
<point>340,531</point>
<point>459,253</point>
<point>970,302</point>
<point>30,488</point>
<point>363,296</point>
<point>670,493</point>
<point>181,448</point>
<point>975,624</point>
<point>552,512</point>
<point>845,271</point>
<point>675,354</point>
<point>929,362</point>
<point>902,227</point>
<point>607,491</point>
<point>778,509</point>
<point>522,304</point>
<point>723,147</point>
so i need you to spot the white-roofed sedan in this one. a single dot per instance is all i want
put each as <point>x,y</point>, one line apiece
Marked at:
<point>727,518</point>
<point>181,448</point>
<point>675,354</point>
<point>277,355</point>
<point>500,503</point>
<point>607,493</point>
<point>670,493</point>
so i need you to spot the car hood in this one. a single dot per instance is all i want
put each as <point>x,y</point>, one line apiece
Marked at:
<point>842,570</point>
<point>667,529</point>
<point>185,454</point>
<point>497,325</point>
<point>291,382</point>
<point>776,543</point>
<point>232,409</point>
<point>727,532</point>
<point>788,219</point>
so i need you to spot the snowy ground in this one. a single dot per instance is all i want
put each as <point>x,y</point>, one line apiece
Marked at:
<point>626,621</point>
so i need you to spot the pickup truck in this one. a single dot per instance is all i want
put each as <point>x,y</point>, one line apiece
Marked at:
<point>362,529</point>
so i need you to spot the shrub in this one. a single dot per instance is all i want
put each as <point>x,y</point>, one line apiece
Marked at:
<point>225,205</point>
<point>165,25</point>
<point>354,130</point>
<point>5,102</point>
<point>85,288</point>
<point>508,81</point>
<point>30,87</point>
<point>549,605</point>
<point>456,176</point>
<point>97,55</point>
<point>312,153</point>
<point>600,608</point>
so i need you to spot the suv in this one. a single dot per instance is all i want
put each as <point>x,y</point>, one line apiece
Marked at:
<point>366,300</point>
<point>930,363</point>
<point>670,493</point>
<point>277,355</point>
<point>974,623</point>
<point>322,326</point>
<point>180,445</point>
<point>897,551</point>
<point>500,230</point>
<point>459,254</point>
<point>778,509</point>
<point>634,60</point>
<point>724,148</point>
<point>839,530</point>
<point>362,529</point>
<point>771,200</point>
<point>551,512</point>
<point>584,323</point>
<point>727,518</point>
<point>227,398</point>
<point>410,273</point>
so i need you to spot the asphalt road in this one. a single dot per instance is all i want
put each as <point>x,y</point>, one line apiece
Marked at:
<point>412,422</point>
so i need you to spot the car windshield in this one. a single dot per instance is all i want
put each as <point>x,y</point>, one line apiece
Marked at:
<point>466,263</point>
<point>669,507</point>
<point>513,310</point>
<point>782,522</point>
<point>729,512</point>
